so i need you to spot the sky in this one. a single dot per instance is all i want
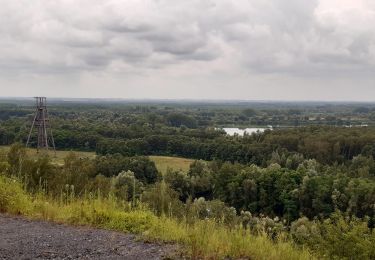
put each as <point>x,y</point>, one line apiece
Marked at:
<point>189,49</point>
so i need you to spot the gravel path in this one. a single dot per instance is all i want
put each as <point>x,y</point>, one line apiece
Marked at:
<point>29,239</point>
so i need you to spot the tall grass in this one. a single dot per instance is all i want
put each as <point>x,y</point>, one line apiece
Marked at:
<point>212,240</point>
<point>204,239</point>
<point>56,157</point>
<point>13,199</point>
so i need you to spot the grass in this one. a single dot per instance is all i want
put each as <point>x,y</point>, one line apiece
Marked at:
<point>175,163</point>
<point>204,239</point>
<point>162,162</point>
<point>57,158</point>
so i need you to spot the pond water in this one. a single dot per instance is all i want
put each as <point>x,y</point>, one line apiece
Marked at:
<point>241,132</point>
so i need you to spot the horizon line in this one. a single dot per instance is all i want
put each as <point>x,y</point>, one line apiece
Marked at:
<point>208,100</point>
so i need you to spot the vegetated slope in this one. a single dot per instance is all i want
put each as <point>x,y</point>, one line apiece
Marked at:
<point>26,239</point>
<point>202,239</point>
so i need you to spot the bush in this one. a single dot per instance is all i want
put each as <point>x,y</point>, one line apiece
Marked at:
<point>126,186</point>
<point>338,237</point>
<point>13,198</point>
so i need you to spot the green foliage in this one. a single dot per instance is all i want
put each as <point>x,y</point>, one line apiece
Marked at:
<point>177,120</point>
<point>361,110</point>
<point>208,239</point>
<point>13,198</point>
<point>75,172</point>
<point>16,156</point>
<point>127,187</point>
<point>338,237</point>
<point>202,239</point>
<point>179,182</point>
<point>143,168</point>
<point>248,112</point>
<point>262,183</point>
<point>155,129</point>
<point>311,190</point>
<point>213,209</point>
<point>201,179</point>
<point>163,200</point>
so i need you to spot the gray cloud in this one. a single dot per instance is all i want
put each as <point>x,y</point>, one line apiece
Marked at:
<point>215,40</point>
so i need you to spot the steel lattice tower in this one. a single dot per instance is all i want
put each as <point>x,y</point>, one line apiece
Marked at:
<point>42,124</point>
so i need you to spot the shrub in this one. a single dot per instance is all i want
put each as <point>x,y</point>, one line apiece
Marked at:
<point>13,198</point>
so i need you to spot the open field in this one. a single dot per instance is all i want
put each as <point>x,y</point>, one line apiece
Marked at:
<point>57,157</point>
<point>176,163</point>
<point>162,162</point>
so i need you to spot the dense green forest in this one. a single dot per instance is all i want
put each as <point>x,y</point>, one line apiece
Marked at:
<point>312,177</point>
<point>190,130</point>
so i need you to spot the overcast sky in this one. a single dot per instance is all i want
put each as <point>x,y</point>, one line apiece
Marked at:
<point>189,49</point>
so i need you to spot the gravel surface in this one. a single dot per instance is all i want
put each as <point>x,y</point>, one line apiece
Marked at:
<point>29,239</point>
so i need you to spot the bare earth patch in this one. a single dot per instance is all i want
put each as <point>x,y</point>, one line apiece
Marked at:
<point>29,239</point>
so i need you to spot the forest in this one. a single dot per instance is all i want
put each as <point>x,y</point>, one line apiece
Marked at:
<point>310,180</point>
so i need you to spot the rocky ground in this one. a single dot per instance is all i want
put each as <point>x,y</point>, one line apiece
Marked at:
<point>29,239</point>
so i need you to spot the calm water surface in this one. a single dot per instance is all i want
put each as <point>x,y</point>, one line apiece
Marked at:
<point>241,132</point>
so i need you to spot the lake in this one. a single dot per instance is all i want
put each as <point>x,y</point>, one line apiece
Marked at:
<point>241,132</point>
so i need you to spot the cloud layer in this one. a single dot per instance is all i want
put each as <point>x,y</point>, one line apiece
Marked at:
<point>166,48</point>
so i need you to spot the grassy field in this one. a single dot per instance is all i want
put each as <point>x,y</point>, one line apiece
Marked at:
<point>176,163</point>
<point>57,157</point>
<point>162,162</point>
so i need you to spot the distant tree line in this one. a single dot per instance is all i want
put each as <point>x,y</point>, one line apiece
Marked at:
<point>134,133</point>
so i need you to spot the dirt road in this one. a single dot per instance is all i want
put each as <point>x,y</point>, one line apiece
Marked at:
<point>25,239</point>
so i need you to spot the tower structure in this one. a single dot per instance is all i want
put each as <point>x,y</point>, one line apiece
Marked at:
<point>42,124</point>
